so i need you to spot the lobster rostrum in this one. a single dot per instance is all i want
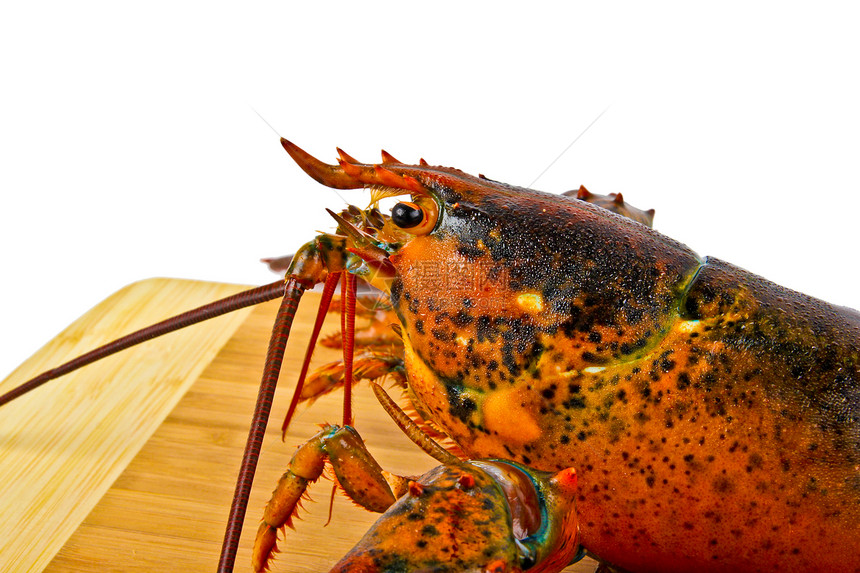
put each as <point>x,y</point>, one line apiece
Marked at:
<point>713,416</point>
<point>477,516</point>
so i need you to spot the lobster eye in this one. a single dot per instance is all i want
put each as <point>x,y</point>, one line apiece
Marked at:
<point>418,217</point>
<point>407,215</point>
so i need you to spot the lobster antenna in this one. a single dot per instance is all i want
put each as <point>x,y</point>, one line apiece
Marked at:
<point>201,313</point>
<point>265,121</point>
<point>551,163</point>
<point>282,137</point>
<point>271,371</point>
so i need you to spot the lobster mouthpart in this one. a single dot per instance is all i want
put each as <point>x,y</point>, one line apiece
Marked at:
<point>377,268</point>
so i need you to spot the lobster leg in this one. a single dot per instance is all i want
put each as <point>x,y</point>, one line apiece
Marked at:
<point>357,472</point>
<point>377,332</point>
<point>370,365</point>
<point>328,290</point>
<point>382,355</point>
<point>348,324</point>
<point>384,359</point>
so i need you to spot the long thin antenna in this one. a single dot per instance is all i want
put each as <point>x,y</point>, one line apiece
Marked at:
<point>265,121</point>
<point>570,145</point>
<point>280,136</point>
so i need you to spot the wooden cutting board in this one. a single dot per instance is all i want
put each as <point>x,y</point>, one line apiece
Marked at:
<point>130,463</point>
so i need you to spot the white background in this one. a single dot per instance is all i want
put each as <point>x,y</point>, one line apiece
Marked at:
<point>131,147</point>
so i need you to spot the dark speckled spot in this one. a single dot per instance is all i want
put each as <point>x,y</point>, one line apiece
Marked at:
<point>442,335</point>
<point>593,358</point>
<point>470,251</point>
<point>462,318</point>
<point>484,330</point>
<point>723,485</point>
<point>413,306</point>
<point>460,405</point>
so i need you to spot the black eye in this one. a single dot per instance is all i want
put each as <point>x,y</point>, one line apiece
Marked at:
<point>407,215</point>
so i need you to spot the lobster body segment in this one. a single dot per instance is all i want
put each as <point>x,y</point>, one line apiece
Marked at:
<point>713,416</point>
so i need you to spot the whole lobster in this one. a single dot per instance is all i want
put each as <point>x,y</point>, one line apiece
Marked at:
<point>678,386</point>
<point>713,417</point>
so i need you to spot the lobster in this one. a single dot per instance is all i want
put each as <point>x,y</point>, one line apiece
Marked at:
<point>712,416</point>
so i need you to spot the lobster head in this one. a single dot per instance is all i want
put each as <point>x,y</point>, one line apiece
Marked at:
<point>501,290</point>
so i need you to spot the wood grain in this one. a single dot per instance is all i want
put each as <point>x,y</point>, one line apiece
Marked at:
<point>130,464</point>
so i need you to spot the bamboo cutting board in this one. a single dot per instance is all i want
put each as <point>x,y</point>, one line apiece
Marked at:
<point>130,463</point>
